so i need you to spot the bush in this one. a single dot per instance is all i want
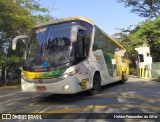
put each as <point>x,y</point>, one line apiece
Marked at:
<point>133,71</point>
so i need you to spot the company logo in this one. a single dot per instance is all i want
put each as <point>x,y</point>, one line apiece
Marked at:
<point>6,116</point>
<point>40,80</point>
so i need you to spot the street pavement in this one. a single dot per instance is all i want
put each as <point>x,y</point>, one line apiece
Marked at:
<point>136,96</point>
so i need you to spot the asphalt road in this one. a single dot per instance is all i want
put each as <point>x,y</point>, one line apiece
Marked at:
<point>135,96</point>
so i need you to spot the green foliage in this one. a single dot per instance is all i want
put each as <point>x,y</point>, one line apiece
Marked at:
<point>37,12</point>
<point>32,6</point>
<point>147,32</point>
<point>17,17</point>
<point>132,71</point>
<point>14,17</point>
<point>143,8</point>
<point>13,20</point>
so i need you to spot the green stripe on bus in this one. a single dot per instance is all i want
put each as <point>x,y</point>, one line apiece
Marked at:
<point>56,73</point>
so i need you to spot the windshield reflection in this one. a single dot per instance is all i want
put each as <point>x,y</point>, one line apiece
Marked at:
<point>50,46</point>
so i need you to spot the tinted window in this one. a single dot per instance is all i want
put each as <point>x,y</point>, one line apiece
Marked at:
<point>100,40</point>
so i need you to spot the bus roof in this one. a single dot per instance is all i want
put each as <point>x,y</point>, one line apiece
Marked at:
<point>65,20</point>
<point>77,18</point>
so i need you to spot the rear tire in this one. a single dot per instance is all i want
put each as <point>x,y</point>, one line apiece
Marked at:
<point>96,85</point>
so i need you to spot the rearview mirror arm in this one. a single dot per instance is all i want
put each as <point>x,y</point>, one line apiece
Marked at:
<point>14,42</point>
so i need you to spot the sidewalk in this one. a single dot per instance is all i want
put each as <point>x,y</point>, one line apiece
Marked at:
<point>145,78</point>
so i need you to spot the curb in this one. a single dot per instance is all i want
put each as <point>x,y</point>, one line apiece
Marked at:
<point>11,87</point>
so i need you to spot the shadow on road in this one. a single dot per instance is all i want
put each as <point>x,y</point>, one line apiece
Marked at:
<point>70,98</point>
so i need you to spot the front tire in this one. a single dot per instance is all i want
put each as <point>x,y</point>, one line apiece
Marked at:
<point>96,85</point>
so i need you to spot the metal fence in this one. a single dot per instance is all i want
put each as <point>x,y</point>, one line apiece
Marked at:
<point>155,70</point>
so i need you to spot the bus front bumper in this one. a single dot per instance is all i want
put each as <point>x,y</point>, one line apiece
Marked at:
<point>69,85</point>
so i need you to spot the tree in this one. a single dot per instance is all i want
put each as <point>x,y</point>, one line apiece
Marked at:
<point>37,12</point>
<point>124,38</point>
<point>148,32</point>
<point>17,17</point>
<point>143,8</point>
<point>14,18</point>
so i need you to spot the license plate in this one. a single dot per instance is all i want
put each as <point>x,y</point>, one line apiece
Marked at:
<point>41,88</point>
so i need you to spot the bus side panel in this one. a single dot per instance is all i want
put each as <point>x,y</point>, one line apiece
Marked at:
<point>84,75</point>
<point>97,63</point>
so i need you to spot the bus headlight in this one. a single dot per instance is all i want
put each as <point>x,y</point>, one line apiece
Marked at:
<point>66,75</point>
<point>73,72</point>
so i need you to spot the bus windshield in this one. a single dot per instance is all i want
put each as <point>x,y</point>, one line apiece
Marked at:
<point>49,46</point>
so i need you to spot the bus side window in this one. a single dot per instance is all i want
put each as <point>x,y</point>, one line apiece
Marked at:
<point>81,49</point>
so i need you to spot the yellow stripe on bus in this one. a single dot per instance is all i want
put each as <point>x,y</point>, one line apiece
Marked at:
<point>32,75</point>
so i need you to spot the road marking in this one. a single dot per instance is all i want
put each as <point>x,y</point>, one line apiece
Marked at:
<point>87,108</point>
<point>30,108</point>
<point>143,98</point>
<point>7,95</point>
<point>126,97</point>
<point>97,107</point>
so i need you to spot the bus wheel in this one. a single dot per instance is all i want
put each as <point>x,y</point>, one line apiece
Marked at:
<point>96,85</point>
<point>124,79</point>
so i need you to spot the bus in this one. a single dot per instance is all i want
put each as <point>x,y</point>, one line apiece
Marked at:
<point>71,55</point>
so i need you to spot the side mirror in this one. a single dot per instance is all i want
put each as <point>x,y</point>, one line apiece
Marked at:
<point>74,32</point>
<point>14,42</point>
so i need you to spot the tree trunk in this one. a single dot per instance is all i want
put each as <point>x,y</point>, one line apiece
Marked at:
<point>2,78</point>
<point>3,74</point>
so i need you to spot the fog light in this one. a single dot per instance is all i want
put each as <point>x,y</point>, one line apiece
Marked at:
<point>65,75</point>
<point>66,87</point>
